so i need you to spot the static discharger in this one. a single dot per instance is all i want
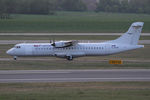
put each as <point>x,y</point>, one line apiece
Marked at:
<point>116,62</point>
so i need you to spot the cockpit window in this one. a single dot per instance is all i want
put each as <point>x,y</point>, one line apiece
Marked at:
<point>17,47</point>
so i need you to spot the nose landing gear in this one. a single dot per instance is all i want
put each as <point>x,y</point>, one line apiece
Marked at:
<point>15,57</point>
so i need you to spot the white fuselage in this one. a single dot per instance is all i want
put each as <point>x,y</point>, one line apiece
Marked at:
<point>80,49</point>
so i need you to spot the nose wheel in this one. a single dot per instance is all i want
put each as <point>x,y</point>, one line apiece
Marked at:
<point>15,57</point>
<point>69,58</point>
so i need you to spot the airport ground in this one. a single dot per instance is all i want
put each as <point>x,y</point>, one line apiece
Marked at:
<point>136,59</point>
<point>76,91</point>
<point>64,22</point>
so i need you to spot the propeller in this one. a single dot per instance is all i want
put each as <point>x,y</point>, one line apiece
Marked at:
<point>52,42</point>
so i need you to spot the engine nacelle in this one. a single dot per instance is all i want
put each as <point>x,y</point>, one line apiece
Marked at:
<point>62,44</point>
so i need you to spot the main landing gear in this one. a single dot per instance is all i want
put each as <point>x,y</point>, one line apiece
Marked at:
<point>69,58</point>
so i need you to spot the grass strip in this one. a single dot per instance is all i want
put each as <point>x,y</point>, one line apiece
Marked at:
<point>75,91</point>
<point>65,22</point>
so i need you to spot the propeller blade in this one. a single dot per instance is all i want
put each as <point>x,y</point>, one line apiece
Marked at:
<point>51,41</point>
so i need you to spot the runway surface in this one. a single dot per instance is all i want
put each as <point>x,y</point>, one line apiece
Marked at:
<point>12,76</point>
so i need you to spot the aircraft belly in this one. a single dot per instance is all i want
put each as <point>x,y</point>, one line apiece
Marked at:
<point>95,53</point>
<point>69,53</point>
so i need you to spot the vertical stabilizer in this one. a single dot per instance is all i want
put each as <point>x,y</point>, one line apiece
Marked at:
<point>131,36</point>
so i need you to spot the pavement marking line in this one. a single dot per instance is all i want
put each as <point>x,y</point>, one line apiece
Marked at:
<point>30,34</point>
<point>3,73</point>
<point>69,71</point>
<point>131,78</point>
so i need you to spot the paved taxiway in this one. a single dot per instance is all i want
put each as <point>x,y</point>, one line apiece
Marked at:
<point>11,76</point>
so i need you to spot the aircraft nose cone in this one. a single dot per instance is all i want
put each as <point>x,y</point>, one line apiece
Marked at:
<point>9,52</point>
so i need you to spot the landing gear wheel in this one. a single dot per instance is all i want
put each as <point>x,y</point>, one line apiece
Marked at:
<point>69,58</point>
<point>15,57</point>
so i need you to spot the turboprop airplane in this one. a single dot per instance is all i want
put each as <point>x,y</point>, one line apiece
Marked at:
<point>73,49</point>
